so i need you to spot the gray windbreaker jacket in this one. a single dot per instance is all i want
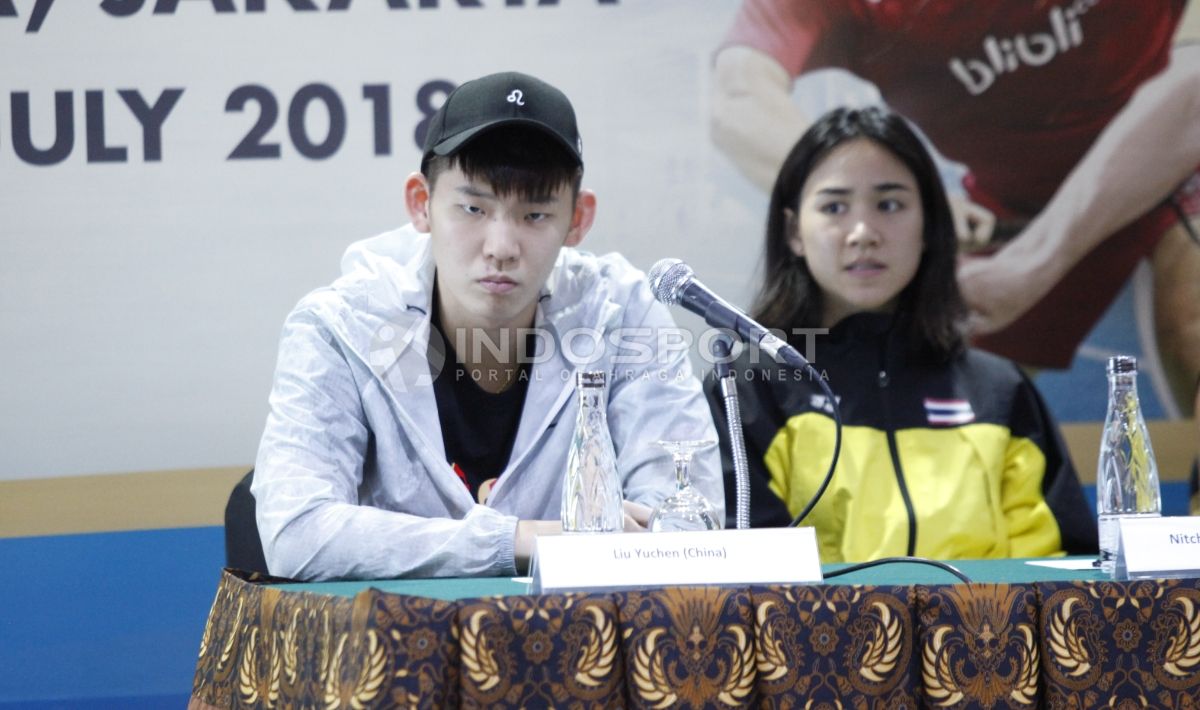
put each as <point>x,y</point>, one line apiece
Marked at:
<point>351,479</point>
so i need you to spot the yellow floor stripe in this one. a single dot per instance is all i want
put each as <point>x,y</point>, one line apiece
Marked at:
<point>120,501</point>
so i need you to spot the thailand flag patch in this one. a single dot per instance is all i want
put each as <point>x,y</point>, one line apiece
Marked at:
<point>948,412</point>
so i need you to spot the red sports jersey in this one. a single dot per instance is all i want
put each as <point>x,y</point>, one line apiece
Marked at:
<point>1015,89</point>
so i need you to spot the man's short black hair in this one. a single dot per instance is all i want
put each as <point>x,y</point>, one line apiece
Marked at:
<point>513,160</point>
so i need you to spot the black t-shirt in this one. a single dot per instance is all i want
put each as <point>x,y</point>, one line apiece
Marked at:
<point>478,427</point>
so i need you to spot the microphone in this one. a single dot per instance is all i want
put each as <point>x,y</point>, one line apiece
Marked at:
<point>674,282</point>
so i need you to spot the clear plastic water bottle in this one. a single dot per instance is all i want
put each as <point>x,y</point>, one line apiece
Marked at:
<point>592,500</point>
<point>1126,475</point>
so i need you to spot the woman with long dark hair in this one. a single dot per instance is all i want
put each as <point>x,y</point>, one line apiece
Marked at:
<point>948,452</point>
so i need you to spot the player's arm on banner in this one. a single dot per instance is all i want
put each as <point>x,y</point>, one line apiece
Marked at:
<point>1189,25</point>
<point>1141,157</point>
<point>754,119</point>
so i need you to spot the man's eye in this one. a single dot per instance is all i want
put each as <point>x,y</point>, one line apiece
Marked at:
<point>471,209</point>
<point>537,216</point>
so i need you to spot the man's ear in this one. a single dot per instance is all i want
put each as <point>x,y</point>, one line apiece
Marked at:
<point>792,228</point>
<point>581,221</point>
<point>416,198</point>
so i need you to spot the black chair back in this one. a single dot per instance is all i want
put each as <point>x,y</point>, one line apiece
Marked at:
<point>243,547</point>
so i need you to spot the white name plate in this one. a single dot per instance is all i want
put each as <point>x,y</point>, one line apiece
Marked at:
<point>601,562</point>
<point>1158,547</point>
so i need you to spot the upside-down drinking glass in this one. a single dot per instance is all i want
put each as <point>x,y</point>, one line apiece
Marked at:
<point>687,508</point>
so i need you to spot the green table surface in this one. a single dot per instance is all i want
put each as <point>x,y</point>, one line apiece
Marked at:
<point>1017,571</point>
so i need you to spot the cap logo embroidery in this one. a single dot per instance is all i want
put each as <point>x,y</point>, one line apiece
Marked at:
<point>516,97</point>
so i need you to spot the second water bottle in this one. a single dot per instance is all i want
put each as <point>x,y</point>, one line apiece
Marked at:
<point>592,499</point>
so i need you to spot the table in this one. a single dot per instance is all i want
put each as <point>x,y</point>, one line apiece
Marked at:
<point>1018,636</point>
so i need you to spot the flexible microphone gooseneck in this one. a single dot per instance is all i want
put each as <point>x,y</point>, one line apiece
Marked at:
<point>673,282</point>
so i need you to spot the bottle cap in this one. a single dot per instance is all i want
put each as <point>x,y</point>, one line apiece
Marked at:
<point>590,378</point>
<point>1122,365</point>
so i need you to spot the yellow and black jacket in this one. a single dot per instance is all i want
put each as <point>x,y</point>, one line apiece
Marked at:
<point>946,460</point>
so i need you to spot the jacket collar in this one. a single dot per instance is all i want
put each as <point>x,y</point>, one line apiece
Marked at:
<point>381,309</point>
<point>864,325</point>
<point>396,269</point>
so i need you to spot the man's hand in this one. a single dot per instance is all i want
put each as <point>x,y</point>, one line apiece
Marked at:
<point>527,532</point>
<point>973,223</point>
<point>637,516</point>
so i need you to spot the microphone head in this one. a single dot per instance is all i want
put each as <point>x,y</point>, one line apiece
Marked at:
<point>667,278</point>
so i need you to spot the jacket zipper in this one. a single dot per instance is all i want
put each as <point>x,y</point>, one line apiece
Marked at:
<point>883,380</point>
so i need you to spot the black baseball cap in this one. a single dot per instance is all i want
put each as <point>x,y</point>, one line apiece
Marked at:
<point>503,99</point>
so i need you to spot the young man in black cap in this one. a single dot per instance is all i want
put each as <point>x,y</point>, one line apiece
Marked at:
<point>423,404</point>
